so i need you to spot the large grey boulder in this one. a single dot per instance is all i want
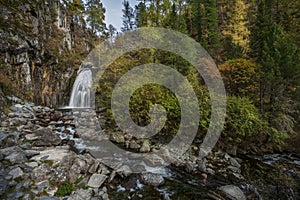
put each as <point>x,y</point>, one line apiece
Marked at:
<point>46,137</point>
<point>14,154</point>
<point>233,192</point>
<point>96,180</point>
<point>57,155</point>
<point>79,166</point>
<point>124,171</point>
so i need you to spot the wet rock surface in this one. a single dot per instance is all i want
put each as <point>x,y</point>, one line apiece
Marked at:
<point>152,179</point>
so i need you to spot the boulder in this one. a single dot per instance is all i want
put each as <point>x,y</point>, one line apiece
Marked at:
<point>16,108</point>
<point>152,179</point>
<point>57,115</point>
<point>96,180</point>
<point>146,146</point>
<point>124,171</point>
<point>14,154</point>
<point>31,137</point>
<point>235,163</point>
<point>134,145</point>
<point>46,137</point>
<point>3,185</point>
<point>79,165</point>
<point>202,164</point>
<point>94,167</point>
<point>117,137</point>
<point>30,153</point>
<point>55,155</point>
<point>16,173</point>
<point>233,192</point>
<point>32,164</point>
<point>154,160</point>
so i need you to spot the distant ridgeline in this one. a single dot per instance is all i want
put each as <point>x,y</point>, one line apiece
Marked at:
<point>42,44</point>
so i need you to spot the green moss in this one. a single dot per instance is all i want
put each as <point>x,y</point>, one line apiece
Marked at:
<point>28,141</point>
<point>49,162</point>
<point>78,180</point>
<point>85,187</point>
<point>64,188</point>
<point>52,182</point>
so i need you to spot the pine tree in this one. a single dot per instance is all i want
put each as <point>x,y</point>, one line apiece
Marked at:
<point>175,19</point>
<point>197,10</point>
<point>274,49</point>
<point>205,24</point>
<point>211,27</point>
<point>112,31</point>
<point>76,9</point>
<point>141,17</point>
<point>128,17</point>
<point>262,49</point>
<point>95,17</point>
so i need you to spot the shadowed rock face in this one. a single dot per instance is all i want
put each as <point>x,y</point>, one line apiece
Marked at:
<point>2,103</point>
<point>37,59</point>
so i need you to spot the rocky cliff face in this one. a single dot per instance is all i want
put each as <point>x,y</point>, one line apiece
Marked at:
<point>2,104</point>
<point>41,48</point>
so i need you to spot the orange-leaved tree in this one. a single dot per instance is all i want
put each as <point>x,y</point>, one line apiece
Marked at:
<point>241,78</point>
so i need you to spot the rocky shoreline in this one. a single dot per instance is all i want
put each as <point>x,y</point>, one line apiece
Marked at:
<point>40,160</point>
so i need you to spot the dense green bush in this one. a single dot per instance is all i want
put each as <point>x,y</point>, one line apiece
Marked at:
<point>245,126</point>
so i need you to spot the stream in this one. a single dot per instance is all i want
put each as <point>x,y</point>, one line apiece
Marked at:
<point>270,176</point>
<point>182,185</point>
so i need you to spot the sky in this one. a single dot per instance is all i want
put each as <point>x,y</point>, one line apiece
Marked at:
<point>114,13</point>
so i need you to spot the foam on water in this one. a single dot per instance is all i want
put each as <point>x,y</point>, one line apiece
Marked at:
<point>81,92</point>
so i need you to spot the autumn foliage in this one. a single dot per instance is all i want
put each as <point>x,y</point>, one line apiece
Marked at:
<point>241,77</point>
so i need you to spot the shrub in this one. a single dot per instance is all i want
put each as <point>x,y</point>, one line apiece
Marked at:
<point>241,77</point>
<point>245,126</point>
<point>64,188</point>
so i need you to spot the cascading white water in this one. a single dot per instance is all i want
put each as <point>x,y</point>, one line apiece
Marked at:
<point>81,92</point>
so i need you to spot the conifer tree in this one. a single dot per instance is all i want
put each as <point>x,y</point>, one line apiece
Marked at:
<point>205,22</point>
<point>95,17</point>
<point>141,17</point>
<point>128,17</point>
<point>112,31</point>
<point>211,25</point>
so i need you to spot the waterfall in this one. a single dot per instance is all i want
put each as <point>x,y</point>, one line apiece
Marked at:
<point>81,92</point>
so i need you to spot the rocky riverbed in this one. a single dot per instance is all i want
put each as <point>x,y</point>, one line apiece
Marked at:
<point>43,157</point>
